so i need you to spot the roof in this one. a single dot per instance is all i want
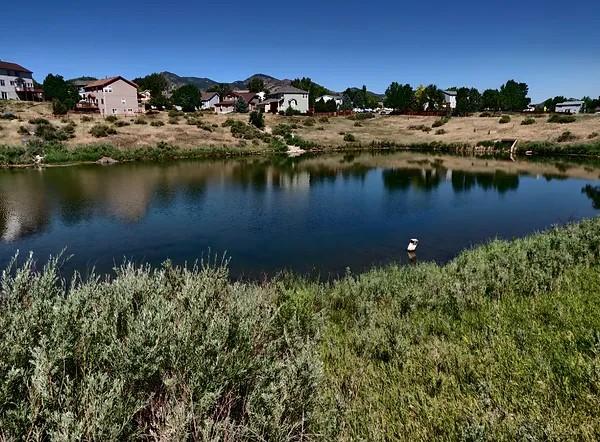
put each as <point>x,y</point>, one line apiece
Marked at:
<point>287,90</point>
<point>246,96</point>
<point>334,97</point>
<point>106,81</point>
<point>225,103</point>
<point>268,101</point>
<point>450,92</point>
<point>13,67</point>
<point>205,96</point>
<point>570,103</point>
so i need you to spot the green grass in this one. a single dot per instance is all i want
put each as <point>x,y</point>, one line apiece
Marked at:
<point>503,343</point>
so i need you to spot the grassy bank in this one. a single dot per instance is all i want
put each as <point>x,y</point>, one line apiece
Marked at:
<point>503,343</point>
<point>57,153</point>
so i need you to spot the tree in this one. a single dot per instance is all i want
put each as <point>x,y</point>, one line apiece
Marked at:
<point>241,106</point>
<point>490,100</point>
<point>222,89</point>
<point>468,100</point>
<point>257,119</point>
<point>346,103</point>
<point>188,97</point>
<point>513,96</point>
<point>590,104</point>
<point>432,98</point>
<point>550,103</point>
<point>325,106</point>
<point>57,89</point>
<point>256,85</point>
<point>399,97</point>
<point>156,83</point>
<point>361,97</point>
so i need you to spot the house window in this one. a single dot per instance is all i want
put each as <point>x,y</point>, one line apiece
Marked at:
<point>129,110</point>
<point>123,101</point>
<point>2,83</point>
<point>101,100</point>
<point>114,111</point>
<point>4,96</point>
<point>12,83</point>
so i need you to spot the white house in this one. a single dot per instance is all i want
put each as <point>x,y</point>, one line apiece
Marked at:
<point>450,99</point>
<point>570,107</point>
<point>337,98</point>
<point>281,98</point>
<point>16,83</point>
<point>209,100</point>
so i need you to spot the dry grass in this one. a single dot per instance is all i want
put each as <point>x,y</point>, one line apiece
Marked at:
<point>326,134</point>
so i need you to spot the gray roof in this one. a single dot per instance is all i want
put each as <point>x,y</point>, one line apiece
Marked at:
<point>287,90</point>
<point>570,103</point>
<point>450,92</point>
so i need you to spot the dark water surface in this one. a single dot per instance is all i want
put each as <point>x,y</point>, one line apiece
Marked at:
<point>315,215</point>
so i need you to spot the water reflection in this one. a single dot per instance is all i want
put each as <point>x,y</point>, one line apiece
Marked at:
<point>310,211</point>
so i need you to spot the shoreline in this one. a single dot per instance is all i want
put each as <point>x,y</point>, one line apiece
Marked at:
<point>63,156</point>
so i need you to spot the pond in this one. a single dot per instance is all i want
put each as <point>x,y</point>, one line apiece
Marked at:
<point>315,215</point>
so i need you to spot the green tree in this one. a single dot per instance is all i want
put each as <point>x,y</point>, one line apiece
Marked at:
<point>399,97</point>
<point>433,98</point>
<point>550,103</point>
<point>590,104</point>
<point>256,85</point>
<point>56,89</point>
<point>468,100</point>
<point>346,103</point>
<point>188,97</point>
<point>513,96</point>
<point>155,83</point>
<point>490,100</point>
<point>222,89</point>
<point>257,119</point>
<point>241,106</point>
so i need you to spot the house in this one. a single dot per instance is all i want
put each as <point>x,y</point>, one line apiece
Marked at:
<point>209,99</point>
<point>281,98</point>
<point>227,104</point>
<point>337,98</point>
<point>16,83</point>
<point>570,107</point>
<point>450,99</point>
<point>111,96</point>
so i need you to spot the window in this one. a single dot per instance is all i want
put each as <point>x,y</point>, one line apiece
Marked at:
<point>129,110</point>
<point>123,101</point>
<point>4,96</point>
<point>102,101</point>
<point>12,83</point>
<point>114,111</point>
<point>2,83</point>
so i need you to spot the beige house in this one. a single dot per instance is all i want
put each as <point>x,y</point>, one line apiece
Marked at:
<point>111,96</point>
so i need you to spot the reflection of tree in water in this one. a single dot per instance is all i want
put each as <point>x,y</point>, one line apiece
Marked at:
<point>356,170</point>
<point>498,180</point>
<point>403,179</point>
<point>251,174</point>
<point>593,193</point>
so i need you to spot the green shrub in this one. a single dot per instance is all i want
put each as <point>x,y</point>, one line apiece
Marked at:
<point>357,124</point>
<point>277,145</point>
<point>561,119</point>
<point>309,122</point>
<point>528,121</point>
<point>140,120</point>
<point>174,113</point>
<point>566,136</point>
<point>173,120</point>
<point>364,116</point>
<point>157,123</point>
<point>440,132</point>
<point>290,112</point>
<point>38,120</point>
<point>111,118</point>
<point>22,130</point>
<point>257,119</point>
<point>349,138</point>
<point>121,123</point>
<point>440,122</point>
<point>282,130</point>
<point>504,119</point>
<point>593,135</point>
<point>49,132</point>
<point>324,120</point>
<point>486,114</point>
<point>102,130</point>
<point>86,119</point>
<point>59,108</point>
<point>8,116</point>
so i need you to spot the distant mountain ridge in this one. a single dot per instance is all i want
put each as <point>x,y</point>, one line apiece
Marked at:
<point>204,83</point>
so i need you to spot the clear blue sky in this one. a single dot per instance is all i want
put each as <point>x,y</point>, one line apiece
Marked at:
<point>552,45</point>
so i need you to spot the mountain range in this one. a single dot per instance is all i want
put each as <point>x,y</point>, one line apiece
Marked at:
<point>204,83</point>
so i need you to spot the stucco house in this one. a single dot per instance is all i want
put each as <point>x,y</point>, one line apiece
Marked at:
<point>227,104</point>
<point>570,107</point>
<point>112,96</point>
<point>281,98</point>
<point>16,83</point>
<point>450,99</point>
<point>209,99</point>
<point>337,98</point>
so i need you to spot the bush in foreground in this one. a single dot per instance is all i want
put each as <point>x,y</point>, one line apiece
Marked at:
<point>500,344</point>
<point>102,130</point>
<point>561,119</point>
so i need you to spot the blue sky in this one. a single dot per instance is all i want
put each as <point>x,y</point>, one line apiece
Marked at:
<point>554,46</point>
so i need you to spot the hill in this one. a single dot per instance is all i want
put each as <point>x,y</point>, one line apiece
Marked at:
<point>203,83</point>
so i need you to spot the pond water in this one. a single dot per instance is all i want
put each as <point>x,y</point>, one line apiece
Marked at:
<point>315,215</point>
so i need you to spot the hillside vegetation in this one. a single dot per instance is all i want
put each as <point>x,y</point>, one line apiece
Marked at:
<point>503,343</point>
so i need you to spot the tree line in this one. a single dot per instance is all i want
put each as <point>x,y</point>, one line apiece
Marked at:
<point>512,96</point>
